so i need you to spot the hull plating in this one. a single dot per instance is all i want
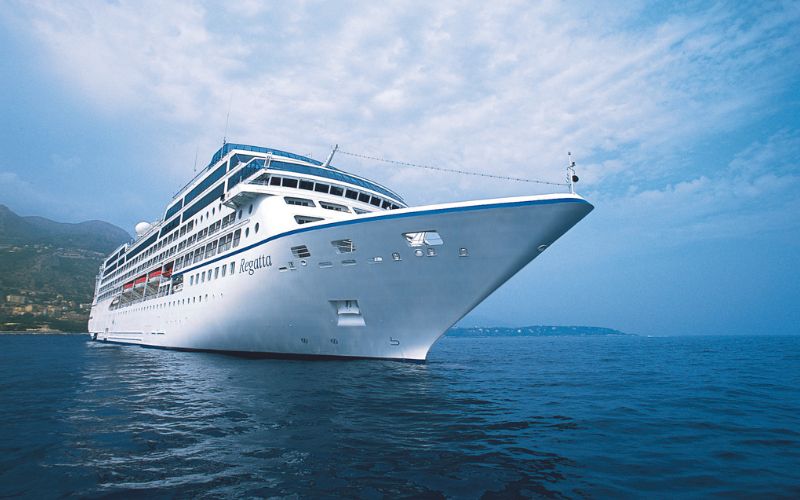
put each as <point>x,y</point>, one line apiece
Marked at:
<point>351,304</point>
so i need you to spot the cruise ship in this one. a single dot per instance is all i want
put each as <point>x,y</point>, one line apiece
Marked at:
<point>273,253</point>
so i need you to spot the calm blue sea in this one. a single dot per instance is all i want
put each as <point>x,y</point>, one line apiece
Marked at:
<point>485,417</point>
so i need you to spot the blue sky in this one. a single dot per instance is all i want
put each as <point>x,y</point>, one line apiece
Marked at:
<point>684,120</point>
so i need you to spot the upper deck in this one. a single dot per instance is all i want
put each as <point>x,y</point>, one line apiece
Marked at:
<point>220,183</point>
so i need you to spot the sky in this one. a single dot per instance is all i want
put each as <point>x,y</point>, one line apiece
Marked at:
<point>683,119</point>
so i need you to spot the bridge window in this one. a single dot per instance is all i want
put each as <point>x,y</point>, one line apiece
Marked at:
<point>337,191</point>
<point>289,183</point>
<point>364,197</point>
<point>275,181</point>
<point>307,185</point>
<point>321,188</point>
<point>375,201</point>
<point>353,195</point>
<point>303,202</point>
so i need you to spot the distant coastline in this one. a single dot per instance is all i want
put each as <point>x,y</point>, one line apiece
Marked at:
<point>534,331</point>
<point>495,331</point>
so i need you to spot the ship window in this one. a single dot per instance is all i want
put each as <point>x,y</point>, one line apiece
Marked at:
<point>213,210</point>
<point>363,197</point>
<point>386,204</point>
<point>191,280</point>
<point>349,262</point>
<point>224,268</point>
<point>190,226</point>
<point>203,278</point>
<point>209,274</point>
<point>333,206</point>
<point>240,214</point>
<point>325,264</point>
<point>360,210</point>
<point>290,183</point>
<point>304,219</point>
<point>251,209</point>
<point>303,202</point>
<point>421,238</point>
<point>307,185</point>
<point>375,201</point>
<point>321,188</point>
<point>236,236</point>
<point>344,246</point>
<point>353,195</point>
<point>301,252</point>
<point>275,181</point>
<point>256,227</point>
<point>233,268</point>
<point>337,191</point>
<point>247,232</point>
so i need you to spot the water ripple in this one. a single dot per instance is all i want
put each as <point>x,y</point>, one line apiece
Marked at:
<point>486,417</point>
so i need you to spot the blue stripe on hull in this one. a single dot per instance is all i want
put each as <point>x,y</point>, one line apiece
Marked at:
<point>434,211</point>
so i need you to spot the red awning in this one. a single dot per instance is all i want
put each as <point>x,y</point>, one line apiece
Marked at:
<point>127,285</point>
<point>155,273</point>
<point>140,280</point>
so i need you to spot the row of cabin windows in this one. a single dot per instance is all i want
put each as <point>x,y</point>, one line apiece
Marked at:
<point>321,187</point>
<point>212,274</point>
<point>230,240</point>
<point>191,240</point>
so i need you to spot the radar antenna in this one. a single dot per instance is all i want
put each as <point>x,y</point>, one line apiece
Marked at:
<point>330,157</point>
<point>227,117</point>
<point>571,177</point>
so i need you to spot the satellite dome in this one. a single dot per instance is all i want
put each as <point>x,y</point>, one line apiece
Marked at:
<point>142,228</point>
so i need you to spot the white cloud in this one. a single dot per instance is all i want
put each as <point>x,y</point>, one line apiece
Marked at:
<point>502,88</point>
<point>753,194</point>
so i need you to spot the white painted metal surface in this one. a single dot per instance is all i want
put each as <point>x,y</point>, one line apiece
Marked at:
<point>392,297</point>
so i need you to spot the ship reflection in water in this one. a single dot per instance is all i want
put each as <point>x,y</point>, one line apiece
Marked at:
<point>205,422</point>
<point>568,416</point>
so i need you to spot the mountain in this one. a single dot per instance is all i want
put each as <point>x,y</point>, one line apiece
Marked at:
<point>47,270</point>
<point>533,331</point>
<point>92,235</point>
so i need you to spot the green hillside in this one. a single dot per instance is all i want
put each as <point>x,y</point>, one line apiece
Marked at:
<point>47,270</point>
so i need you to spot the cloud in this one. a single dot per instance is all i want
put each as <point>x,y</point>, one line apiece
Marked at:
<point>499,88</point>
<point>754,194</point>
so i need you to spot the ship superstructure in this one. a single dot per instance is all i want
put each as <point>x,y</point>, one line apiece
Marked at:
<point>271,252</point>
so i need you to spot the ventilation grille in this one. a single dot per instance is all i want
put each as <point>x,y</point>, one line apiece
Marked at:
<point>301,252</point>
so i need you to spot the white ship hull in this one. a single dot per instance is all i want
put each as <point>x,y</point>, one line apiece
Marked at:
<point>393,309</point>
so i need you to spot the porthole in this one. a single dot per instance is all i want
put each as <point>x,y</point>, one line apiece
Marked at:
<point>256,227</point>
<point>213,210</point>
<point>247,232</point>
<point>240,214</point>
<point>250,211</point>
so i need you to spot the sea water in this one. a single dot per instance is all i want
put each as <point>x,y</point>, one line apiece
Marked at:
<point>484,417</point>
